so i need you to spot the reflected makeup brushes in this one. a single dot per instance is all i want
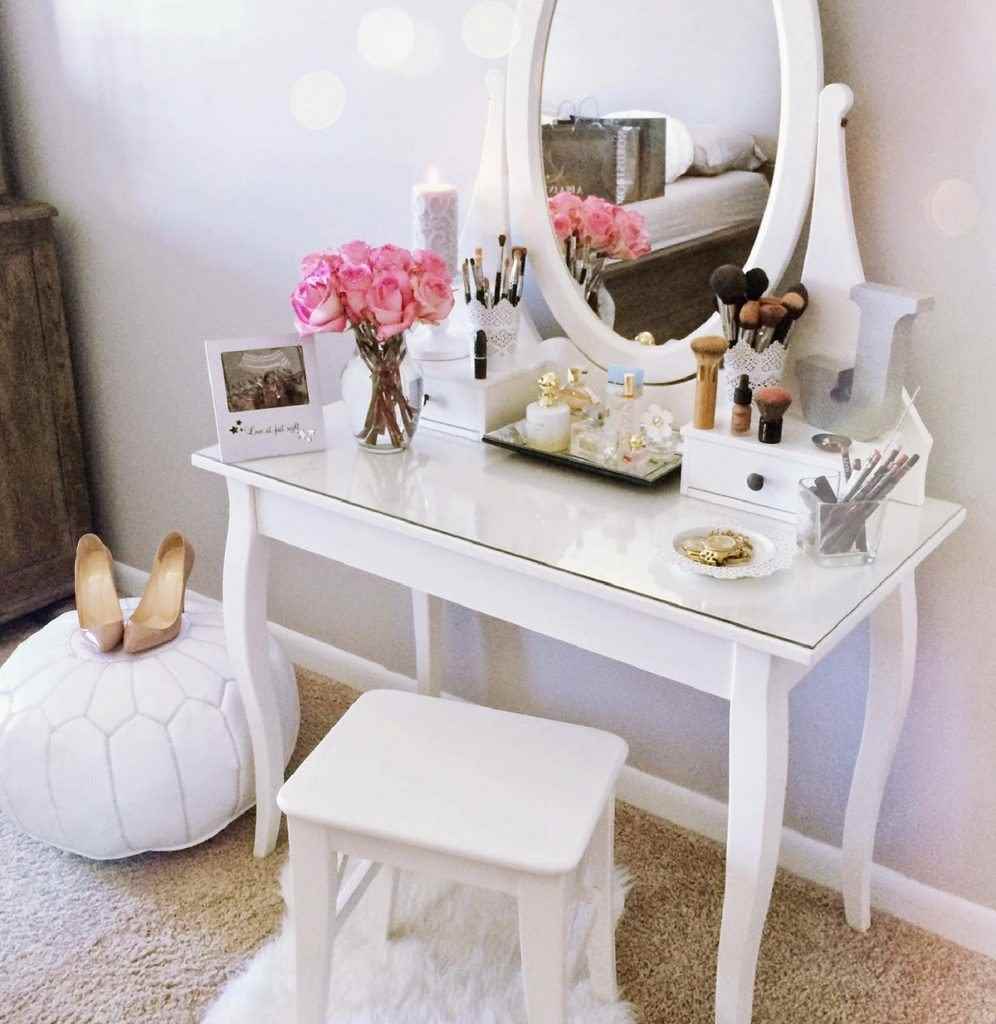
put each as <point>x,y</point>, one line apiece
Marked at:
<point>748,315</point>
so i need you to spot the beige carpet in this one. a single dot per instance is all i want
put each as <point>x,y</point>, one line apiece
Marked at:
<point>153,939</point>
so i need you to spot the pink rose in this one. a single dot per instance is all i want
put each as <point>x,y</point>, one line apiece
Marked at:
<point>563,226</point>
<point>391,302</point>
<point>433,298</point>
<point>317,304</point>
<point>632,239</point>
<point>429,262</point>
<point>599,223</point>
<point>355,252</point>
<point>390,257</point>
<point>355,280</point>
<point>324,257</point>
<point>566,203</point>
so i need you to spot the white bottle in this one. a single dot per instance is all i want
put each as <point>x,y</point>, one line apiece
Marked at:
<point>548,420</point>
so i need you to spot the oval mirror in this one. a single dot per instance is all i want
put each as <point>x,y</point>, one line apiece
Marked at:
<point>699,121</point>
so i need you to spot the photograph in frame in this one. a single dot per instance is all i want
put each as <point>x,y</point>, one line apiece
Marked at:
<point>266,396</point>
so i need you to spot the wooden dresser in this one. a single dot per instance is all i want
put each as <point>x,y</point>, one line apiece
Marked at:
<point>44,504</point>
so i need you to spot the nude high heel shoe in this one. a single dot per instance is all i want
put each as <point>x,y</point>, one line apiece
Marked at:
<point>97,605</point>
<point>157,618</point>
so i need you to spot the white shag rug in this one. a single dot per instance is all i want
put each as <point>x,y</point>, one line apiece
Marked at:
<point>453,959</point>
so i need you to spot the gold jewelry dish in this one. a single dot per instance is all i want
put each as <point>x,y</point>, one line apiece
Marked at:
<point>719,548</point>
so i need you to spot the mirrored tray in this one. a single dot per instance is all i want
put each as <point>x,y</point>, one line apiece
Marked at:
<point>513,438</point>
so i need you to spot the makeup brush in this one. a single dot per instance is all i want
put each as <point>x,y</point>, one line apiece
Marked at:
<point>502,242</point>
<point>465,270</point>
<point>772,317</point>
<point>709,352</point>
<point>729,285</point>
<point>475,269</point>
<point>773,403</point>
<point>749,321</point>
<point>757,284</point>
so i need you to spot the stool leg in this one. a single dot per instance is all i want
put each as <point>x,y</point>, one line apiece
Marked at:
<point>382,896</point>
<point>543,941</point>
<point>316,887</point>
<point>602,944</point>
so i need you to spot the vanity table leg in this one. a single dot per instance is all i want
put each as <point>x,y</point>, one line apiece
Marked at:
<point>427,615</point>
<point>758,771</point>
<point>244,592</point>
<point>890,683</point>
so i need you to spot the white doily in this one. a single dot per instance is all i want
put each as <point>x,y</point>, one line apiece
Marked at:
<point>500,323</point>
<point>763,368</point>
<point>772,551</point>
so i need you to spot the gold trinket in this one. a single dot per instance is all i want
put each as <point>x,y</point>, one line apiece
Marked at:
<point>719,548</point>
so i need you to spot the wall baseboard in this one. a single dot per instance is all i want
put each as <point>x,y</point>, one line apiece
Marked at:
<point>968,924</point>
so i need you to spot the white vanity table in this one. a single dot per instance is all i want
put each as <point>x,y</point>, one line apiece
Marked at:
<point>585,562</point>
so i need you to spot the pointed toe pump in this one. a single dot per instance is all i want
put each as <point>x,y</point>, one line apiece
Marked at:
<point>157,618</point>
<point>97,604</point>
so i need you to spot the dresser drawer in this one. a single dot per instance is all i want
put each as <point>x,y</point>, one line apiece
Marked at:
<point>749,476</point>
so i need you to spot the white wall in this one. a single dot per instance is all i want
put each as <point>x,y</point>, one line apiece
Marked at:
<point>711,62</point>
<point>163,133</point>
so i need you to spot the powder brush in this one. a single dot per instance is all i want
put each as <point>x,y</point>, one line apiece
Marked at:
<point>796,302</point>
<point>773,403</point>
<point>729,285</point>
<point>757,284</point>
<point>749,321</point>
<point>772,317</point>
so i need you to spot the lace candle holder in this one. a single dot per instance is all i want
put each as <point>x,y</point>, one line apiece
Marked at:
<point>764,369</point>
<point>500,325</point>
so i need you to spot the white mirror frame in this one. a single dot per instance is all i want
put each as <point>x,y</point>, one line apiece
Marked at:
<point>800,45</point>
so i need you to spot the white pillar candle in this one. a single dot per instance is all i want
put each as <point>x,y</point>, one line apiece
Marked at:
<point>435,220</point>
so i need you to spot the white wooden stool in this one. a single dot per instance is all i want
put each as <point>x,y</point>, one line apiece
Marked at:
<point>483,797</point>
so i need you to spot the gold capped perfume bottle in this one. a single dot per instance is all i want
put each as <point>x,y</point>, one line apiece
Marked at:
<point>548,420</point>
<point>578,396</point>
<point>625,417</point>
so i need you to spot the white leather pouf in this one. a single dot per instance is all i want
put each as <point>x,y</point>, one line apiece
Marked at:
<point>109,755</point>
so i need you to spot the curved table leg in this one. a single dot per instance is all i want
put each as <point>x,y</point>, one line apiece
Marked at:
<point>890,683</point>
<point>244,591</point>
<point>758,774</point>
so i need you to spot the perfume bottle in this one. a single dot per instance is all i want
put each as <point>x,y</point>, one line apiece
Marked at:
<point>548,420</point>
<point>625,413</point>
<point>578,396</point>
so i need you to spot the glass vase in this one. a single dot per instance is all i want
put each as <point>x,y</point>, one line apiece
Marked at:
<point>383,391</point>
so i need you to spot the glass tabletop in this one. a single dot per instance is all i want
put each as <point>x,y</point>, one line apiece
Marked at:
<point>600,530</point>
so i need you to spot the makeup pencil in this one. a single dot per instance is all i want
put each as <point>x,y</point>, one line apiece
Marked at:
<point>502,241</point>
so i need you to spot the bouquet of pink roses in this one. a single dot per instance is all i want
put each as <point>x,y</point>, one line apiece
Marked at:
<point>592,230</point>
<point>379,293</point>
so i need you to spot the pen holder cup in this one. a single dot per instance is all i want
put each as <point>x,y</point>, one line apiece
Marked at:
<point>763,368</point>
<point>500,324</point>
<point>838,533</point>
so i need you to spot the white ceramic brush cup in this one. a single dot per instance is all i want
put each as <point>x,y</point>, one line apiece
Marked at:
<point>500,323</point>
<point>763,368</point>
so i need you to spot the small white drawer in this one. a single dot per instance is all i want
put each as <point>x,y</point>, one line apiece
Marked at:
<point>746,476</point>
<point>738,471</point>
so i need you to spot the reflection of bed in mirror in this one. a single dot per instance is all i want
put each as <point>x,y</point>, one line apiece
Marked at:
<point>697,225</point>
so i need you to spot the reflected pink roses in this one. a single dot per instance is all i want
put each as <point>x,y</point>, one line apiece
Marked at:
<point>598,226</point>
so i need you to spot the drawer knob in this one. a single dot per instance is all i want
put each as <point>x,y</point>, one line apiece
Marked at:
<point>755,481</point>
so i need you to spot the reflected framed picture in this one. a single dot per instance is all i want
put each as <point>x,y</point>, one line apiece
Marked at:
<point>266,394</point>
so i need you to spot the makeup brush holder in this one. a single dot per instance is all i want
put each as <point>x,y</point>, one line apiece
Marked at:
<point>500,325</point>
<point>763,368</point>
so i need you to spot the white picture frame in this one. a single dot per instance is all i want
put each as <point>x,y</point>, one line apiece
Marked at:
<point>267,396</point>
